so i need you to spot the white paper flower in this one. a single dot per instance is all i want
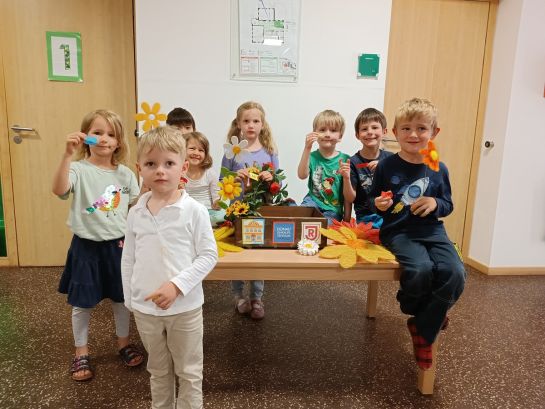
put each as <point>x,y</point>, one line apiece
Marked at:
<point>236,149</point>
<point>307,247</point>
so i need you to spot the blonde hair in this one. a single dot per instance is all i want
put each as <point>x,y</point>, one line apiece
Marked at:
<point>265,136</point>
<point>164,138</point>
<point>416,108</point>
<point>121,153</point>
<point>330,119</point>
<point>200,138</point>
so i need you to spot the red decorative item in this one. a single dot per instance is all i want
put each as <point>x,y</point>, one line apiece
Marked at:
<point>362,165</point>
<point>274,188</point>
<point>387,194</point>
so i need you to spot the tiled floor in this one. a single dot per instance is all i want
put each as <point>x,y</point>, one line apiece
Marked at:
<point>315,349</point>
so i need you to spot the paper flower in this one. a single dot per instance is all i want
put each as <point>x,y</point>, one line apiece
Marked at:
<point>236,149</point>
<point>307,247</point>
<point>229,189</point>
<point>352,248</point>
<point>150,116</point>
<point>221,234</point>
<point>430,156</point>
<point>364,231</point>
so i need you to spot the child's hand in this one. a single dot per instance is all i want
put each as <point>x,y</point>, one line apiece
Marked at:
<point>266,176</point>
<point>382,203</point>
<point>372,165</point>
<point>344,168</point>
<point>215,205</point>
<point>244,176</point>
<point>310,139</point>
<point>164,296</point>
<point>424,206</point>
<point>73,141</point>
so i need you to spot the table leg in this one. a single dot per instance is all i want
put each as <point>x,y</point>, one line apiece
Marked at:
<point>372,295</point>
<point>426,379</point>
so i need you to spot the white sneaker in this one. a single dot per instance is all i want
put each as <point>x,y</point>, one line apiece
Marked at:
<point>242,305</point>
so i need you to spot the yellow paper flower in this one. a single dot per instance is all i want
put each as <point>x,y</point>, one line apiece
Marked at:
<point>229,189</point>
<point>151,116</point>
<point>352,248</point>
<point>236,149</point>
<point>241,209</point>
<point>223,233</point>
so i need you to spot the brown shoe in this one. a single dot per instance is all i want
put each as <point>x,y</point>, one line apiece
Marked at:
<point>258,310</point>
<point>242,305</point>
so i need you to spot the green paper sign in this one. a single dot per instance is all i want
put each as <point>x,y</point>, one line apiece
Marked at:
<point>64,56</point>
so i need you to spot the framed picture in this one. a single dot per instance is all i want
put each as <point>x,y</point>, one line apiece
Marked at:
<point>265,40</point>
<point>64,56</point>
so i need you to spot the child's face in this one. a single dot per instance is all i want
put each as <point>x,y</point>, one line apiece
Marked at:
<point>195,153</point>
<point>161,170</point>
<point>370,134</point>
<point>185,128</point>
<point>107,143</point>
<point>414,135</point>
<point>250,124</point>
<point>329,136</point>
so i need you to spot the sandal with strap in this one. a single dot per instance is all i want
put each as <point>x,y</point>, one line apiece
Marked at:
<point>131,356</point>
<point>79,364</point>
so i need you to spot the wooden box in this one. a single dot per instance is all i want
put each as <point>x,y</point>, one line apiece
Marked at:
<point>280,227</point>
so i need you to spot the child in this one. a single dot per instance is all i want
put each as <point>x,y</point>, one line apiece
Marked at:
<point>250,124</point>
<point>102,189</point>
<point>181,119</point>
<point>169,249</point>
<point>370,127</point>
<point>415,198</point>
<point>323,166</point>
<point>202,180</point>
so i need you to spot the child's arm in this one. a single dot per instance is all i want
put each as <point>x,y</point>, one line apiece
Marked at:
<point>187,279</point>
<point>214,189</point>
<point>61,180</point>
<point>303,168</point>
<point>127,261</point>
<point>349,193</point>
<point>441,204</point>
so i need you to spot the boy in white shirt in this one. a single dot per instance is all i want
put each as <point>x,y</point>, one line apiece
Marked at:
<point>169,249</point>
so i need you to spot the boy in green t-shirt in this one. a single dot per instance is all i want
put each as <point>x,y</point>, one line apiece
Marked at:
<point>322,167</point>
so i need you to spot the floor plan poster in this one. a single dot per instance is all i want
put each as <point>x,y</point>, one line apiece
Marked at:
<point>268,38</point>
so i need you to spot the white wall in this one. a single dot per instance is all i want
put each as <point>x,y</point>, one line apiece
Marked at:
<point>183,59</point>
<point>509,217</point>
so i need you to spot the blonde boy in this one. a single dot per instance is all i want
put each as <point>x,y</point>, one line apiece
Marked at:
<point>321,167</point>
<point>169,249</point>
<point>416,197</point>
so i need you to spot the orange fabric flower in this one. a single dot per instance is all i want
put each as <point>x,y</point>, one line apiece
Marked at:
<point>431,156</point>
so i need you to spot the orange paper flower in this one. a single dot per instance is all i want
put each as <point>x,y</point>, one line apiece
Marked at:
<point>431,156</point>
<point>363,231</point>
<point>150,116</point>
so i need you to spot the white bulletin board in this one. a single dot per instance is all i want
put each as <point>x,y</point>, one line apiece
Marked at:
<point>265,40</point>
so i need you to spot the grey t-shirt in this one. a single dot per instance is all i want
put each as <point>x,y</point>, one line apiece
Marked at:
<point>101,200</point>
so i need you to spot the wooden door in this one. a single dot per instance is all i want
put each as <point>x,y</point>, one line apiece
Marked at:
<point>56,108</point>
<point>436,51</point>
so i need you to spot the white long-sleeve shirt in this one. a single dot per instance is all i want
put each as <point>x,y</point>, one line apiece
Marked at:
<point>175,245</point>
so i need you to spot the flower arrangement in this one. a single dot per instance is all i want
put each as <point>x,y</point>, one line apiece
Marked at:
<point>257,192</point>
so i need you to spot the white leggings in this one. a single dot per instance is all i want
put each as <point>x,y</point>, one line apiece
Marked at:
<point>81,317</point>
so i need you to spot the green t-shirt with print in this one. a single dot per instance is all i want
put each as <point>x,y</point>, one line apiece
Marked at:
<point>325,183</point>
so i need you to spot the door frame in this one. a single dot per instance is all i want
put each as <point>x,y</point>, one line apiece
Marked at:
<point>5,175</point>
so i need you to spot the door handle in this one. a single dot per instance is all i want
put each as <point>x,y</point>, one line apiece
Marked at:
<point>18,128</point>
<point>18,137</point>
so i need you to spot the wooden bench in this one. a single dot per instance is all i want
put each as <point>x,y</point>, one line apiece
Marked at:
<point>286,264</point>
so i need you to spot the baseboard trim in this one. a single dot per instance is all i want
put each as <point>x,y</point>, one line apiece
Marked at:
<point>504,271</point>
